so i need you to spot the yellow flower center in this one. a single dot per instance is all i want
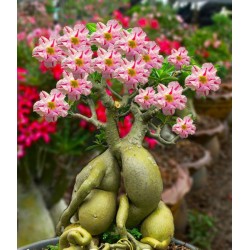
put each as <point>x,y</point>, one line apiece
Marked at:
<point>169,98</point>
<point>74,83</point>
<point>109,62</point>
<point>74,40</point>
<point>131,72</point>
<point>146,97</point>
<point>203,79</point>
<point>108,36</point>
<point>50,50</point>
<point>132,44</point>
<point>146,58</point>
<point>79,62</point>
<point>51,105</point>
<point>178,58</point>
<point>184,126</point>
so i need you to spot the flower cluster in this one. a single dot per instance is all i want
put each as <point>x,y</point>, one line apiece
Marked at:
<point>203,79</point>
<point>168,98</point>
<point>123,55</point>
<point>30,131</point>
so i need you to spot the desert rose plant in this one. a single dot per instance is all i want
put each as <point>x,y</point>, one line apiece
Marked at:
<point>96,58</point>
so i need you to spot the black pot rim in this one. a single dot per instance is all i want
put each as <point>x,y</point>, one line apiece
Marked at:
<point>43,243</point>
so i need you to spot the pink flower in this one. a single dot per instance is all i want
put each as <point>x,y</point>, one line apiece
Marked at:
<point>170,98</point>
<point>20,151</point>
<point>179,57</point>
<point>74,38</point>
<point>166,45</point>
<point>154,24</point>
<point>132,43</point>
<point>21,74</point>
<point>132,73</point>
<point>151,142</point>
<point>52,105</point>
<point>106,35</point>
<point>48,52</point>
<point>57,71</point>
<point>184,127</point>
<point>146,97</point>
<point>21,36</point>
<point>204,79</point>
<point>143,22</point>
<point>74,87</point>
<point>125,126</point>
<point>151,56</point>
<point>107,62</point>
<point>79,62</point>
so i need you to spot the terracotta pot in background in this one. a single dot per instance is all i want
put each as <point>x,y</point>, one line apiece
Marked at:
<point>218,104</point>
<point>208,131</point>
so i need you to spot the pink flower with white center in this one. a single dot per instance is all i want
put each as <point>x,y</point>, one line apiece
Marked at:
<point>151,56</point>
<point>132,73</point>
<point>146,98</point>
<point>106,35</point>
<point>132,43</point>
<point>107,62</point>
<point>170,98</point>
<point>184,127</point>
<point>48,52</point>
<point>74,38</point>
<point>79,62</point>
<point>203,79</point>
<point>52,105</point>
<point>74,87</point>
<point>179,57</point>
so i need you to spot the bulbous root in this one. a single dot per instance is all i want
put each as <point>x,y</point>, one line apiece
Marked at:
<point>92,182</point>
<point>75,237</point>
<point>157,229</point>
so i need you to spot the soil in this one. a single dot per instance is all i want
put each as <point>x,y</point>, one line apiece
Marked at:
<point>172,246</point>
<point>185,151</point>
<point>215,198</point>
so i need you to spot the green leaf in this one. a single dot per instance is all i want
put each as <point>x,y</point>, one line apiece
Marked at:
<point>94,48</point>
<point>136,233</point>
<point>51,247</point>
<point>91,27</point>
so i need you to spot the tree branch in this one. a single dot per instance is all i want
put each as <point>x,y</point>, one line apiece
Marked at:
<point>149,114</point>
<point>113,92</point>
<point>160,139</point>
<point>92,120</point>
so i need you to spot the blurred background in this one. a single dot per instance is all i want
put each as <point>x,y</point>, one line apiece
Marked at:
<point>196,172</point>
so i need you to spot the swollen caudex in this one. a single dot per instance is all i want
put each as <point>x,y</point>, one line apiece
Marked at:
<point>148,91</point>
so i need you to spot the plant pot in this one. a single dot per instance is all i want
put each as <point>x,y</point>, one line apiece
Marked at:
<point>40,245</point>
<point>32,216</point>
<point>208,131</point>
<point>218,104</point>
<point>193,157</point>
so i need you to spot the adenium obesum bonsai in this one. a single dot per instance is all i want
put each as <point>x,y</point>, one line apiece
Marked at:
<point>152,89</point>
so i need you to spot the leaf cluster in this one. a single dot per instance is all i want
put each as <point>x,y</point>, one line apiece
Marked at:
<point>202,229</point>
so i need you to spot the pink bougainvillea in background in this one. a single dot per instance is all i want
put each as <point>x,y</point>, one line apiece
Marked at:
<point>166,45</point>
<point>184,127</point>
<point>203,79</point>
